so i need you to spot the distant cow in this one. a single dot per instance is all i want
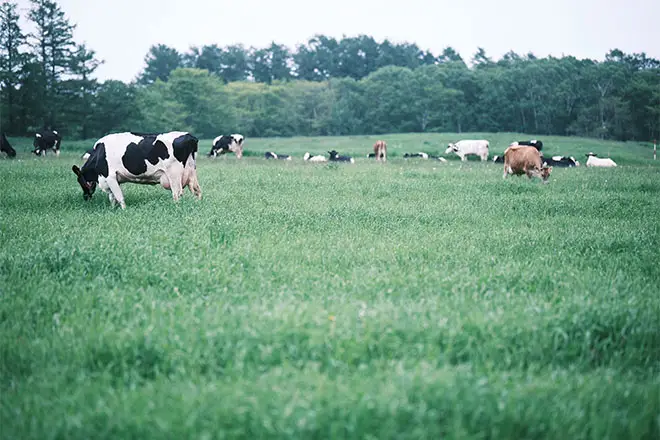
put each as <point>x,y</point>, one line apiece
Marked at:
<point>335,157</point>
<point>6,147</point>
<point>467,147</point>
<point>520,160</point>
<point>271,155</point>
<point>533,143</point>
<point>380,151</point>
<point>420,154</point>
<point>498,158</point>
<point>318,158</point>
<point>46,140</point>
<point>594,161</point>
<point>561,161</point>
<point>167,158</point>
<point>226,143</point>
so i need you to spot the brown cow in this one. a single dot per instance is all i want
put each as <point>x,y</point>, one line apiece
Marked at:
<point>520,160</point>
<point>380,150</point>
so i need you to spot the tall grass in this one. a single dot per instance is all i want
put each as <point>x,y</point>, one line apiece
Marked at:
<point>412,299</point>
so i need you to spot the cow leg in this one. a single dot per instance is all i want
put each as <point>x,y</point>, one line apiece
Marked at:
<point>115,191</point>
<point>112,199</point>
<point>464,158</point>
<point>193,184</point>
<point>175,183</point>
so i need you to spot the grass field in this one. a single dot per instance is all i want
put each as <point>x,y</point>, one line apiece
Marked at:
<point>412,299</point>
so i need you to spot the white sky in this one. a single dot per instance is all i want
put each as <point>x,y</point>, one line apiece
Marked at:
<point>121,31</point>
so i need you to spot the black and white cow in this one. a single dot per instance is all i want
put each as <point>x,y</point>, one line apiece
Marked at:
<point>166,158</point>
<point>6,147</point>
<point>498,158</point>
<point>561,161</point>
<point>421,154</point>
<point>533,143</point>
<point>226,143</point>
<point>335,157</point>
<point>272,155</point>
<point>46,140</point>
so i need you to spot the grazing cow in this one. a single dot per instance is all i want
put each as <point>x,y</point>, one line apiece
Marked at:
<point>318,158</point>
<point>467,147</point>
<point>561,161</point>
<point>6,147</point>
<point>420,154</point>
<point>271,155</point>
<point>380,150</point>
<point>166,158</point>
<point>520,160</point>
<point>226,143</point>
<point>46,140</point>
<point>594,161</point>
<point>533,143</point>
<point>335,157</point>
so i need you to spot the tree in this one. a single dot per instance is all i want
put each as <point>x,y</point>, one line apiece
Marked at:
<point>53,43</point>
<point>235,64</point>
<point>160,61</point>
<point>81,89</point>
<point>270,64</point>
<point>11,62</point>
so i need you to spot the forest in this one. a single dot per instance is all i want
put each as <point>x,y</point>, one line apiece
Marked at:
<point>325,86</point>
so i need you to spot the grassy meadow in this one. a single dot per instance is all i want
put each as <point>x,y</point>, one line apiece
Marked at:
<point>412,299</point>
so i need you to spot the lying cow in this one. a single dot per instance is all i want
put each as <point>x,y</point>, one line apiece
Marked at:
<point>271,155</point>
<point>561,161</point>
<point>380,151</point>
<point>318,158</point>
<point>226,143</point>
<point>46,140</point>
<point>167,158</point>
<point>520,160</point>
<point>594,161</point>
<point>467,147</point>
<point>533,143</point>
<point>335,157</point>
<point>498,158</point>
<point>6,147</point>
<point>420,155</point>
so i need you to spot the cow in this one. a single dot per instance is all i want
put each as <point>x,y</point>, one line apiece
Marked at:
<point>6,147</point>
<point>380,150</point>
<point>561,161</point>
<point>226,143</point>
<point>46,140</point>
<point>165,158</point>
<point>520,160</point>
<point>420,154</point>
<point>466,147</point>
<point>272,155</point>
<point>594,161</point>
<point>335,157</point>
<point>533,143</point>
<point>498,158</point>
<point>318,158</point>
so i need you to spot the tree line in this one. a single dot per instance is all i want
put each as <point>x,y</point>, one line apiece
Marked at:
<point>350,86</point>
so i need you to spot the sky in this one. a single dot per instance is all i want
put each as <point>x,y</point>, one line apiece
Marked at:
<point>122,31</point>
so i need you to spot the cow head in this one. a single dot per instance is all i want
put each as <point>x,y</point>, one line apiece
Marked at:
<point>451,148</point>
<point>87,187</point>
<point>545,172</point>
<point>333,154</point>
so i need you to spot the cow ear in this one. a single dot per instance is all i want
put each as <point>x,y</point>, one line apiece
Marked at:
<point>76,170</point>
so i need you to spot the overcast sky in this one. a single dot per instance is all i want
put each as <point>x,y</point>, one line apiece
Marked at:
<point>121,31</point>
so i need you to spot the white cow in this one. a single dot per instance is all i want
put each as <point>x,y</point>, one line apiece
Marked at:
<point>318,158</point>
<point>465,147</point>
<point>166,158</point>
<point>594,161</point>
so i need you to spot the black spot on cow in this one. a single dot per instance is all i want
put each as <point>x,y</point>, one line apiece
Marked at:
<point>184,146</point>
<point>148,149</point>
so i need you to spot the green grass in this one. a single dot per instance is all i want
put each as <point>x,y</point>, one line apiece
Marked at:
<point>412,299</point>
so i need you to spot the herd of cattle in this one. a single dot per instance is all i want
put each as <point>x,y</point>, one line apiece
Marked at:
<point>168,159</point>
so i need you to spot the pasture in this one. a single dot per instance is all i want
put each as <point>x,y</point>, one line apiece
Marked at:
<point>411,299</point>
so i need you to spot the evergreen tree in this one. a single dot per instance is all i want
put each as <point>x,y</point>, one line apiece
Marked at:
<point>11,63</point>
